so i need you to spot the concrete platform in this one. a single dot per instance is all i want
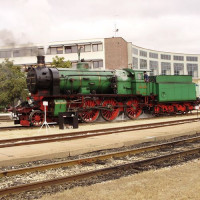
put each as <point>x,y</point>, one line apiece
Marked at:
<point>21,154</point>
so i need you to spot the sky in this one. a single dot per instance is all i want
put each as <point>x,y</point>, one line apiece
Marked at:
<point>165,25</point>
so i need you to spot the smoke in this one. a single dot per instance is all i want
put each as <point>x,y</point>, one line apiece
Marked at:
<point>25,22</point>
<point>7,38</point>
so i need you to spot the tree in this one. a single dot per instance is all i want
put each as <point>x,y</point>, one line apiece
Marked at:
<point>12,83</point>
<point>59,62</point>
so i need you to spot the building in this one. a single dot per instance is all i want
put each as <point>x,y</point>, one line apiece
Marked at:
<point>166,63</point>
<point>108,53</point>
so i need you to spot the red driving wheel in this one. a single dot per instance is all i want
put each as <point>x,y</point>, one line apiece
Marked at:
<point>111,110</point>
<point>90,114</point>
<point>36,118</point>
<point>132,109</point>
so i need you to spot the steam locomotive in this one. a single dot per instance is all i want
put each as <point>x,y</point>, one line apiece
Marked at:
<point>92,93</point>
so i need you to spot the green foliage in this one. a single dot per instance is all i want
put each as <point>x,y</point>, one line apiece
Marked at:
<point>59,62</point>
<point>12,83</point>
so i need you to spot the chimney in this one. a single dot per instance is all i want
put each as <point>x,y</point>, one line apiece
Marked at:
<point>41,61</point>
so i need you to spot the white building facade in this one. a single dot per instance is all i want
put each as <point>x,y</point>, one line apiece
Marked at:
<point>92,51</point>
<point>108,53</point>
<point>166,63</point>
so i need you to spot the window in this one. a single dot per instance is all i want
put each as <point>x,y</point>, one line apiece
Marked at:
<point>59,50</point>
<point>71,49</point>
<point>27,52</point>
<point>5,54</point>
<point>40,51</point>
<point>165,68</point>
<point>191,58</point>
<point>87,48</point>
<point>32,51</point>
<point>143,64</point>
<point>97,64</point>
<point>97,47</point>
<point>178,68</point>
<point>74,49</point>
<point>16,53</point>
<point>53,50</point>
<point>165,57</point>
<point>164,72</point>
<point>181,58</point>
<point>56,50</point>
<point>135,51</point>
<point>48,51</point>
<point>192,69</point>
<point>153,55</point>
<point>153,65</point>
<point>143,53</point>
<point>135,63</point>
<point>68,49</point>
<point>82,47</point>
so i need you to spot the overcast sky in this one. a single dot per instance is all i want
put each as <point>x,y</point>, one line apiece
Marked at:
<point>166,25</point>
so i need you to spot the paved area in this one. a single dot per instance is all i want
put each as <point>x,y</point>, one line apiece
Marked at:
<point>16,155</point>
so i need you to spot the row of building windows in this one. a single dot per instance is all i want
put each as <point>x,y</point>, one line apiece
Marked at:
<point>21,52</point>
<point>143,53</point>
<point>74,49</point>
<point>181,58</point>
<point>153,55</point>
<point>164,56</point>
<point>50,51</point>
<point>192,69</point>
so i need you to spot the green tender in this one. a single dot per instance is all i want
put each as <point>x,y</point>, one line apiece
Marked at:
<point>175,88</point>
<point>173,79</point>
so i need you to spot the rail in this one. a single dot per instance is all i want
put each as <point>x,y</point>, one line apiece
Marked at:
<point>86,134</point>
<point>137,165</point>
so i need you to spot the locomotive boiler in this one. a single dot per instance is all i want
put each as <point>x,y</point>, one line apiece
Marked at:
<point>108,93</point>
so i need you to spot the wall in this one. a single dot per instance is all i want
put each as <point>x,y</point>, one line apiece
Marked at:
<point>116,53</point>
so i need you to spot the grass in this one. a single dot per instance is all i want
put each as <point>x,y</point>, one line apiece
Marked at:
<point>177,183</point>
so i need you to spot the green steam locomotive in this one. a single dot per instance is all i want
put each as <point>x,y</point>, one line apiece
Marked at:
<point>108,93</point>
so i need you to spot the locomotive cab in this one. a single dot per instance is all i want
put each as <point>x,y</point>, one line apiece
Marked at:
<point>137,86</point>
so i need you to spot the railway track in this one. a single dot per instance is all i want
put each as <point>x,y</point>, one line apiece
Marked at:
<point>85,134</point>
<point>171,152</point>
<point>18,127</point>
<point>10,128</point>
<point>5,118</point>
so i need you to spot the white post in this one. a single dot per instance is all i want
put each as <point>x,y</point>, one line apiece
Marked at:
<point>45,104</point>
